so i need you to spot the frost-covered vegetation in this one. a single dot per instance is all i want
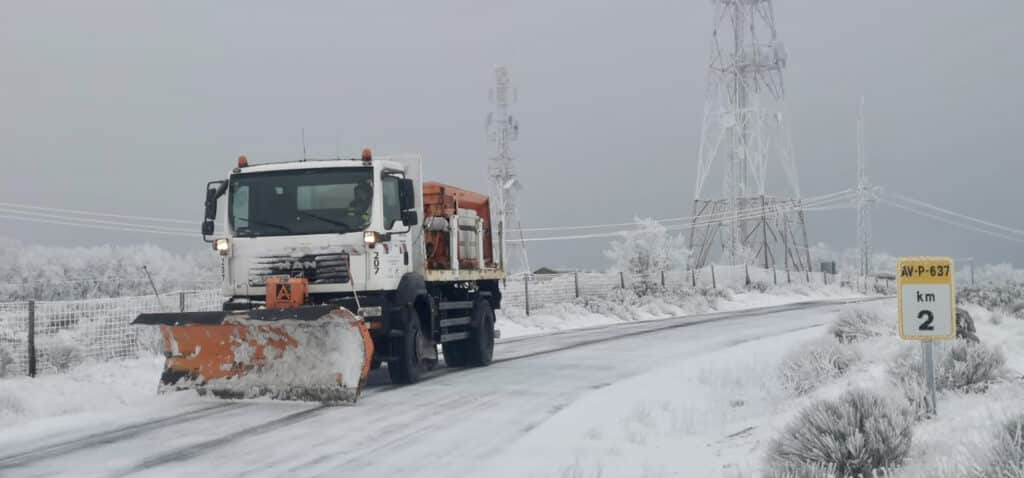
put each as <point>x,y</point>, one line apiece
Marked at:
<point>813,364</point>
<point>1007,297</point>
<point>647,251</point>
<point>855,435</point>
<point>854,325</point>
<point>70,273</point>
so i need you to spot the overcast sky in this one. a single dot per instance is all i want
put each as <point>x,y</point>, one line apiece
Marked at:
<point>133,106</point>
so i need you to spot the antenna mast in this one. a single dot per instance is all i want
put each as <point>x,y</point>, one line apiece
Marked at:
<point>865,199</point>
<point>502,129</point>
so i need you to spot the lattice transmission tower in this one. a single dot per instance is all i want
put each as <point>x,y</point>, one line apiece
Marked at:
<point>744,131</point>
<point>503,129</point>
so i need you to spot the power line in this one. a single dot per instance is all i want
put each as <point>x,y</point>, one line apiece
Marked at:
<point>93,213</point>
<point>952,222</point>
<point>63,217</point>
<point>957,214</point>
<point>811,200</point>
<point>99,226</point>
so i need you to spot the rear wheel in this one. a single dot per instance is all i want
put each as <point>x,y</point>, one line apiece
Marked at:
<point>476,350</point>
<point>479,346</point>
<point>408,365</point>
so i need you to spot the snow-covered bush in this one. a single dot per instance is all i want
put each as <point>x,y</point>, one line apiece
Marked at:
<point>852,325</point>
<point>857,434</point>
<point>992,296</point>
<point>812,364</point>
<point>1006,458</point>
<point>966,366</point>
<point>647,251</point>
<point>960,365</point>
<point>70,273</point>
<point>1018,310</point>
<point>6,360</point>
<point>62,350</point>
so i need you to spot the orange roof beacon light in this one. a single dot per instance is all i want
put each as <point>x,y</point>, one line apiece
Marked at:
<point>367,155</point>
<point>243,161</point>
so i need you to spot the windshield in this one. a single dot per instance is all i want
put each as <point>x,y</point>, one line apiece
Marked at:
<point>312,201</point>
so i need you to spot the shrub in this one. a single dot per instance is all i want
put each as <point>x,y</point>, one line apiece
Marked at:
<point>62,351</point>
<point>814,363</point>
<point>967,366</point>
<point>962,365</point>
<point>852,325</point>
<point>856,434</point>
<point>1007,456</point>
<point>1018,310</point>
<point>6,360</point>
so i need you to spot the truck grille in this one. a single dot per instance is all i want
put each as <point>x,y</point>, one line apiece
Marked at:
<point>317,268</point>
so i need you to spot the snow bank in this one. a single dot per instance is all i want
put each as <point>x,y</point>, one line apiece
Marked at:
<point>93,387</point>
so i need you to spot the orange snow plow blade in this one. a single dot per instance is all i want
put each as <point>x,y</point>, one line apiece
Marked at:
<point>313,353</point>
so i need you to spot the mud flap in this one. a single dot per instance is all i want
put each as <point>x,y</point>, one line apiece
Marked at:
<point>310,354</point>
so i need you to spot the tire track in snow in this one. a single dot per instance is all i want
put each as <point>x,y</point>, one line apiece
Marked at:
<point>206,446</point>
<point>105,438</point>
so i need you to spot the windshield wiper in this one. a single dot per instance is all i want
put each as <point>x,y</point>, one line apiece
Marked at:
<point>278,226</point>
<point>347,227</point>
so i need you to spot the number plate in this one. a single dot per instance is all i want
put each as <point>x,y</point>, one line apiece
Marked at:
<point>927,305</point>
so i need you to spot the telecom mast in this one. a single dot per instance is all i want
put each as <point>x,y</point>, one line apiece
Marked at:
<point>502,129</point>
<point>865,199</point>
<point>744,130</point>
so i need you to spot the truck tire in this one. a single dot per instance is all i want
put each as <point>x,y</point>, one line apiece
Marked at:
<point>455,353</point>
<point>479,347</point>
<point>407,367</point>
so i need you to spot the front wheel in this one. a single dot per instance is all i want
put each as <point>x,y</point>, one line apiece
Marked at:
<point>408,366</point>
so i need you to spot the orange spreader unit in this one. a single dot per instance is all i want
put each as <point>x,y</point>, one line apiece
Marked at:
<point>442,200</point>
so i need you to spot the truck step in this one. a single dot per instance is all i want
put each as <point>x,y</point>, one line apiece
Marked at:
<point>451,322</point>
<point>453,336</point>
<point>455,305</point>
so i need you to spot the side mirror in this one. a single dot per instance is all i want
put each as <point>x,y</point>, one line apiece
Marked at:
<point>214,190</point>
<point>410,218</point>
<point>406,195</point>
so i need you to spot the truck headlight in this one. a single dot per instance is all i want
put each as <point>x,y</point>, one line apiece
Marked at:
<point>222,246</point>
<point>371,238</point>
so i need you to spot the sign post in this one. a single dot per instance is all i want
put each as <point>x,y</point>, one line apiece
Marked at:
<point>927,308</point>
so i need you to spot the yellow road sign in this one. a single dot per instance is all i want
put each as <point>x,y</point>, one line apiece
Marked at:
<point>927,302</point>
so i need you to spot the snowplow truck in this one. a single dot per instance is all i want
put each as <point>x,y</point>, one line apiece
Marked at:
<point>331,268</point>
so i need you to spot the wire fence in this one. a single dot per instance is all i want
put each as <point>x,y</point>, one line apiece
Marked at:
<point>39,337</point>
<point>535,291</point>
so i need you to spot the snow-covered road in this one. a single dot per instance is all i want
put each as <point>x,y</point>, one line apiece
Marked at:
<point>455,423</point>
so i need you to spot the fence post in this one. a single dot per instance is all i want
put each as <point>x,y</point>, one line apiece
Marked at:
<point>789,280</point>
<point>808,272</point>
<point>31,338</point>
<point>576,283</point>
<point>775,276</point>
<point>663,279</point>
<point>824,277</point>
<point>746,272</point>
<point>622,279</point>
<point>526,292</point>
<point>714,283</point>
<point>693,277</point>
<point>181,301</point>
